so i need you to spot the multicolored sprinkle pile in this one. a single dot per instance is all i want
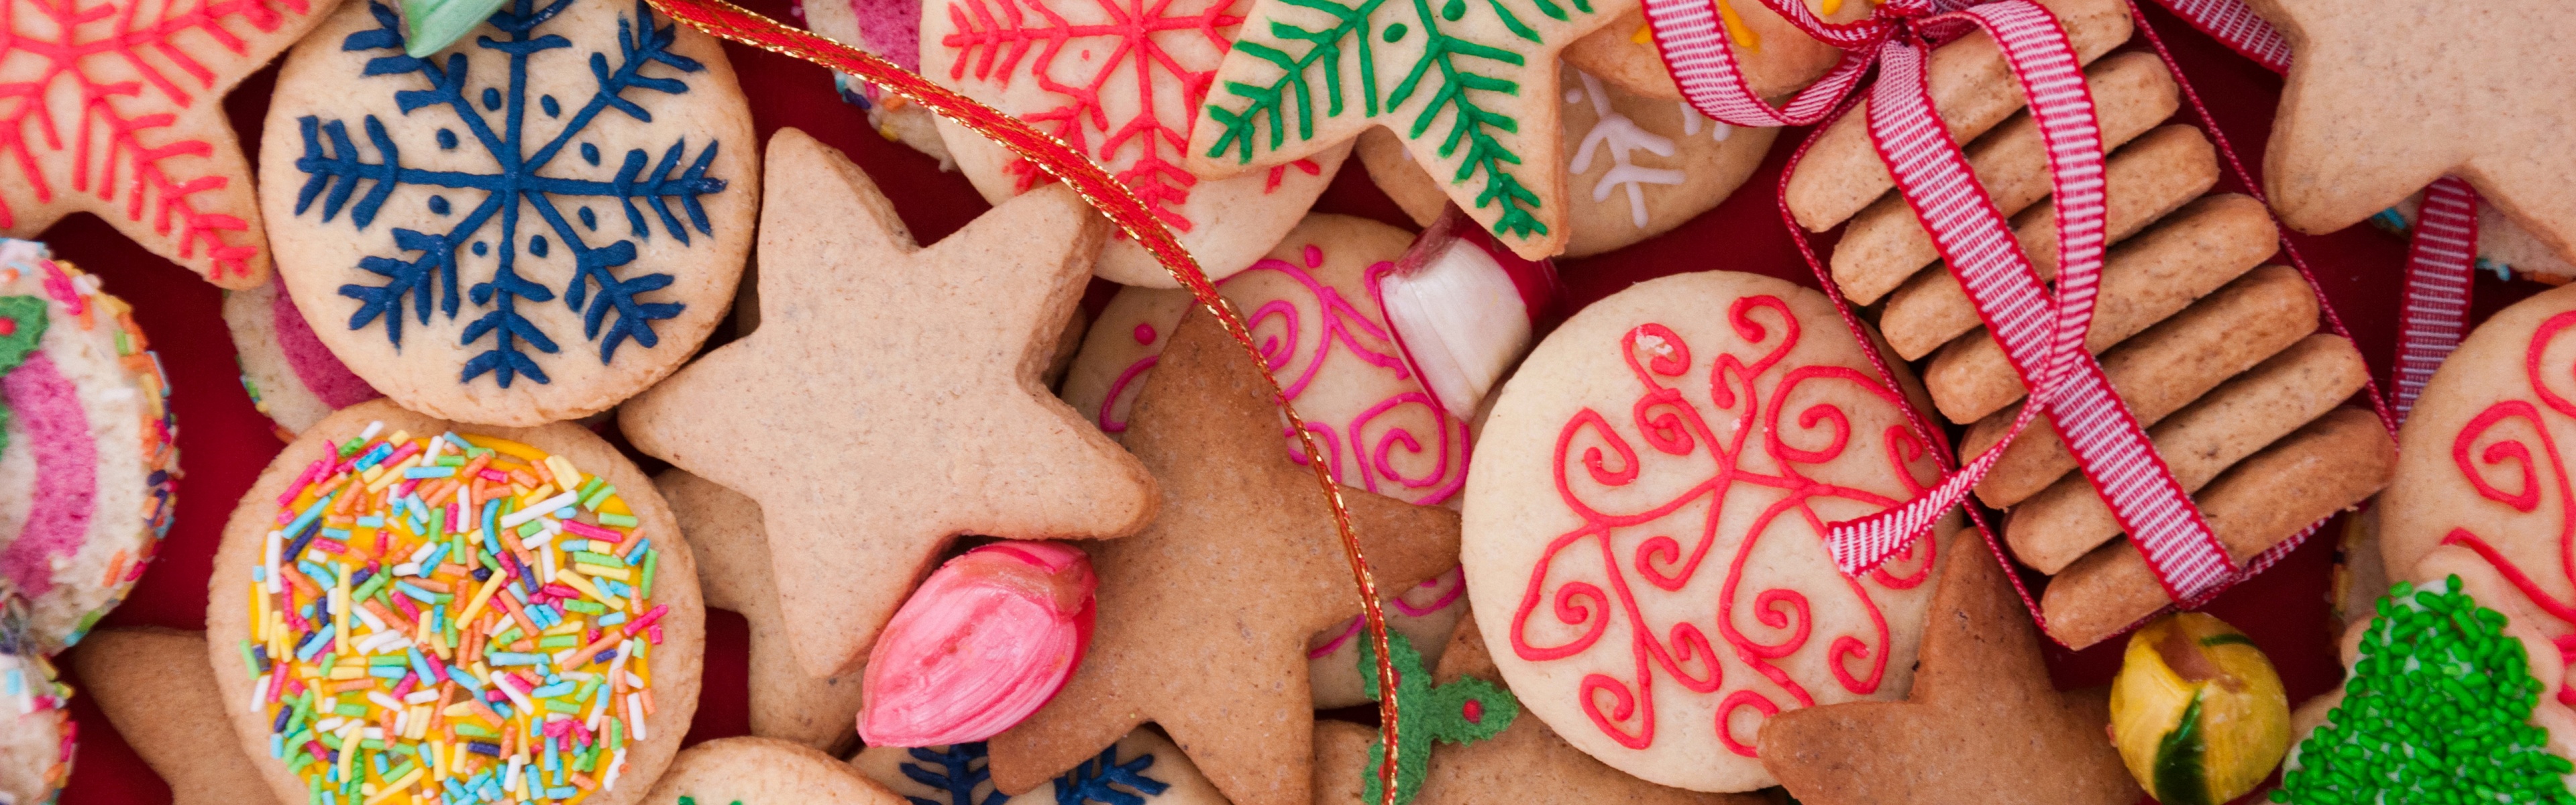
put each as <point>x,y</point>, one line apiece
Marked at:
<point>2437,710</point>
<point>453,619</point>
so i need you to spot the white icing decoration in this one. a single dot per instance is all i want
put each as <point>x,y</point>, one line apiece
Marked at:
<point>1622,136</point>
<point>1691,119</point>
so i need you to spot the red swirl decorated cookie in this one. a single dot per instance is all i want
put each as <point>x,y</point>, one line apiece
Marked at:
<point>2482,473</point>
<point>1644,530</point>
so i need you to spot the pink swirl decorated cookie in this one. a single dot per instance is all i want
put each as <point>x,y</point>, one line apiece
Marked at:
<point>2482,487</point>
<point>35,726</point>
<point>1310,308</point>
<point>1643,531</point>
<point>87,466</point>
<point>291,377</point>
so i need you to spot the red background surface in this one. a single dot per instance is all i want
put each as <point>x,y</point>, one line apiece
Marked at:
<point>224,443</point>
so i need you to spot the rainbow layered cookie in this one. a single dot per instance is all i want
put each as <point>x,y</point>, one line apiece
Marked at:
<point>410,611</point>
<point>87,467</point>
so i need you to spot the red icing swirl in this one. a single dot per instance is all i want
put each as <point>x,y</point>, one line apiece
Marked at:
<point>1593,459</point>
<point>2506,471</point>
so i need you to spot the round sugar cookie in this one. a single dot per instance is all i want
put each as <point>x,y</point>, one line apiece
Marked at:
<point>1310,306</point>
<point>399,624</point>
<point>1122,84</point>
<point>2482,463</point>
<point>530,226</point>
<point>1143,768</point>
<point>35,723</point>
<point>1637,166</point>
<point>291,377</point>
<point>87,464</point>
<point>1672,454</point>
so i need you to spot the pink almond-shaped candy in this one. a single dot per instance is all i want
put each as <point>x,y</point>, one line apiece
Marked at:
<point>987,640</point>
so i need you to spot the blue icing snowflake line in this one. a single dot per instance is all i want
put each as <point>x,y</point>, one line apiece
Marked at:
<point>337,170</point>
<point>960,769</point>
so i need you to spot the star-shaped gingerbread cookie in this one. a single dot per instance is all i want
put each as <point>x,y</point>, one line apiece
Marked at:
<point>1525,764</point>
<point>1471,88</point>
<point>736,573</point>
<point>116,108</point>
<point>1983,725</point>
<point>2387,95</point>
<point>1204,617</point>
<point>890,400</point>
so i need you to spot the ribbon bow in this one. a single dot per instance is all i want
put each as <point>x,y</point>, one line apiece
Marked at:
<point>2042,333</point>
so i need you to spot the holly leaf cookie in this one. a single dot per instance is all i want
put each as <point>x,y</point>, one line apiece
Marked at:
<point>890,400</point>
<point>1204,617</point>
<point>115,108</point>
<point>2375,111</point>
<point>1524,763</point>
<point>1983,725</point>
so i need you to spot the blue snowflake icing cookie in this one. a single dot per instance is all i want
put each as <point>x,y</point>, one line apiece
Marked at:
<point>1143,768</point>
<point>529,226</point>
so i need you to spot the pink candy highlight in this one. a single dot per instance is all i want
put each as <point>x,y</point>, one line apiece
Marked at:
<point>987,640</point>
<point>48,408</point>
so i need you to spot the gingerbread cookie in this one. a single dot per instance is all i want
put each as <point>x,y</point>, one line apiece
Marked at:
<point>1311,303</point>
<point>1639,166</point>
<point>2479,88</point>
<point>290,375</point>
<point>1123,85</point>
<point>763,771</point>
<point>87,464</point>
<point>1598,485</point>
<point>1983,724</point>
<point>534,249</point>
<point>438,598</point>
<point>155,686</point>
<point>907,379</point>
<point>1204,617</point>
<point>116,109</point>
<point>735,571</point>
<point>1143,768</point>
<point>36,749</point>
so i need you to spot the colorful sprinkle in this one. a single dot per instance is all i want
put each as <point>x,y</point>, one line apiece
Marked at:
<point>434,622</point>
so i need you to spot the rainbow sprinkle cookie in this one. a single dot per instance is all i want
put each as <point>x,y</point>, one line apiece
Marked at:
<point>435,615</point>
<point>87,466</point>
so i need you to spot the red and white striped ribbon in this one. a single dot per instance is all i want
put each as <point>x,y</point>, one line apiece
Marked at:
<point>2238,27</point>
<point>2439,264</point>
<point>2043,341</point>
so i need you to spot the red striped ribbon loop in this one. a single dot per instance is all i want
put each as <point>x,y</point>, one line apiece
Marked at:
<point>2439,264</point>
<point>2238,27</point>
<point>2042,333</point>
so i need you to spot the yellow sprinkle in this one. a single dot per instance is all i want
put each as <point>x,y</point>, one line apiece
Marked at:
<point>399,437</point>
<point>570,626</point>
<point>458,710</point>
<point>377,483</point>
<point>565,473</point>
<point>372,473</point>
<point>399,786</point>
<point>348,735</point>
<point>618,573</point>
<point>481,596</point>
<point>340,614</point>
<point>537,494</point>
<point>346,672</point>
<point>578,583</point>
<point>258,614</point>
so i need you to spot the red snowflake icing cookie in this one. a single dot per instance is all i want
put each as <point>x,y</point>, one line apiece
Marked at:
<point>115,107</point>
<point>1643,532</point>
<point>1120,81</point>
<point>2482,486</point>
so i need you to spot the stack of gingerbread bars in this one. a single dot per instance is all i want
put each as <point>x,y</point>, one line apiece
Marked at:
<point>2216,352</point>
